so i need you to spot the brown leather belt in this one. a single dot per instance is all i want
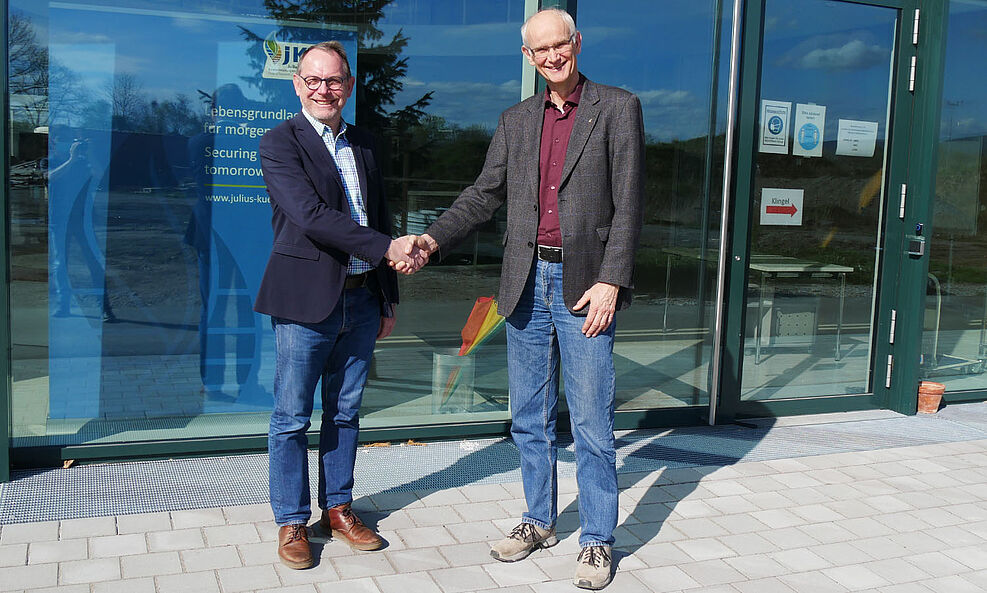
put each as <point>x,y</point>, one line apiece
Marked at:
<point>550,254</point>
<point>355,281</point>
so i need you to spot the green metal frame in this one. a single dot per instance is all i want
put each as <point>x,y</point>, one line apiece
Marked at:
<point>915,126</point>
<point>52,456</point>
<point>920,178</point>
<point>5,395</point>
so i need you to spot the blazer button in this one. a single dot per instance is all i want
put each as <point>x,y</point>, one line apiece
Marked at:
<point>530,244</point>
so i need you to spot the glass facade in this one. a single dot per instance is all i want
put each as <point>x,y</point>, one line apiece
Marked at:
<point>139,227</point>
<point>954,345</point>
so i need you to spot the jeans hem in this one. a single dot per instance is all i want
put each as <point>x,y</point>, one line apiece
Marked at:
<point>536,523</point>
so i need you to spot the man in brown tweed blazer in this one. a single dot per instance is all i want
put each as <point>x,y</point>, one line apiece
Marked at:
<point>569,165</point>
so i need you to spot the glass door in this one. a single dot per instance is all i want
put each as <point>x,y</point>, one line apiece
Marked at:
<point>818,116</point>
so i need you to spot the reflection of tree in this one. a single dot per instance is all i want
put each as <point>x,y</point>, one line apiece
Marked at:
<point>380,69</point>
<point>124,102</point>
<point>31,72</point>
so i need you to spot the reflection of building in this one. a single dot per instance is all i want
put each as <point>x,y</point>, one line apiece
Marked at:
<point>751,312</point>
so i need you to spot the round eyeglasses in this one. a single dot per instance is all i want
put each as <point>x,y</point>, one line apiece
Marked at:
<point>561,48</point>
<point>333,83</point>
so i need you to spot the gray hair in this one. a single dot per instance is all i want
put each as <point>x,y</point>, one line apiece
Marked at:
<point>565,16</point>
<point>326,46</point>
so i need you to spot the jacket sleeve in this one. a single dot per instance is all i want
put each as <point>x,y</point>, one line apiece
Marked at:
<point>627,191</point>
<point>478,202</point>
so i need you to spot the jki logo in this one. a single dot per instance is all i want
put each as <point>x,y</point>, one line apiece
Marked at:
<point>284,54</point>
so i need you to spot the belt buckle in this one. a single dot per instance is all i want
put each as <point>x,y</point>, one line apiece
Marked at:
<point>550,254</point>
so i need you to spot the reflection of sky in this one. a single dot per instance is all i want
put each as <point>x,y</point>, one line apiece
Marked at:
<point>832,54</point>
<point>167,53</point>
<point>664,55</point>
<point>964,107</point>
<point>467,53</point>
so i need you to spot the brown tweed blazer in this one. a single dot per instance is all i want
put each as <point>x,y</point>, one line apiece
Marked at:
<point>600,195</point>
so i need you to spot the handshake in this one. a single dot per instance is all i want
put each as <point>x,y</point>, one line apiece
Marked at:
<point>410,253</point>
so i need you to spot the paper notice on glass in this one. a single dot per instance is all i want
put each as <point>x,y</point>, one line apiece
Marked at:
<point>810,123</point>
<point>775,116</point>
<point>856,138</point>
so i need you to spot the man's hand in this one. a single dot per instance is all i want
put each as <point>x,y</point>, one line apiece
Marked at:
<point>405,256</point>
<point>387,323</point>
<point>427,244</point>
<point>602,300</point>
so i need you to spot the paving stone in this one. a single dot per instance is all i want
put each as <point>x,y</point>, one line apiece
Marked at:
<point>362,565</point>
<point>468,532</point>
<point>469,554</point>
<point>305,588</point>
<point>974,557</point>
<point>811,582</point>
<point>487,492</point>
<point>406,561</point>
<point>697,528</point>
<point>432,536</point>
<point>57,551</point>
<point>225,535</point>
<point>180,539</point>
<point>665,579</point>
<point>150,565</point>
<point>748,543</point>
<point>937,564</point>
<point>429,517</point>
<point>22,533</point>
<point>480,511</point>
<point>90,527</point>
<point>213,558</point>
<point>770,585</point>
<point>705,549</point>
<point>13,555</point>
<point>14,578</point>
<point>142,523</point>
<point>145,585</point>
<point>248,513</point>
<point>365,585</point>
<point>509,574</point>
<point>712,572</point>
<point>757,566</point>
<point>462,579</point>
<point>322,572</point>
<point>856,578</point>
<point>896,571</point>
<point>247,578</point>
<point>199,582</point>
<point>117,545</point>
<point>89,571</point>
<point>416,582</point>
<point>197,518</point>
<point>800,560</point>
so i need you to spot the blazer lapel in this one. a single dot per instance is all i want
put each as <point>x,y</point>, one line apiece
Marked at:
<point>361,171</point>
<point>313,144</point>
<point>587,114</point>
<point>531,139</point>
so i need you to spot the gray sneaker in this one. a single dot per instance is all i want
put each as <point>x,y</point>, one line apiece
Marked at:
<point>593,568</point>
<point>523,540</point>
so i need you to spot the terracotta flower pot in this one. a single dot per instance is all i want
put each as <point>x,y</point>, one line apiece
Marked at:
<point>930,396</point>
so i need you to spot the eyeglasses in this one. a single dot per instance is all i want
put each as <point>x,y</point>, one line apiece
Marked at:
<point>334,83</point>
<point>562,48</point>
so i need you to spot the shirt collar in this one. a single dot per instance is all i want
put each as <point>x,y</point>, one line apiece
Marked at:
<point>320,127</point>
<point>572,99</point>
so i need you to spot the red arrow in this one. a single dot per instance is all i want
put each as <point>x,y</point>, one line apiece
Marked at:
<point>789,209</point>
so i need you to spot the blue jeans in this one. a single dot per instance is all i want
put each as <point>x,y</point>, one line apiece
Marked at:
<point>338,350</point>
<point>541,333</point>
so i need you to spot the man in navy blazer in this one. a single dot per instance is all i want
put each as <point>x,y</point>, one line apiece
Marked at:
<point>328,294</point>
<point>569,164</point>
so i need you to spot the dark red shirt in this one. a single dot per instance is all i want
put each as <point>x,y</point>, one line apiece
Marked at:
<point>555,131</point>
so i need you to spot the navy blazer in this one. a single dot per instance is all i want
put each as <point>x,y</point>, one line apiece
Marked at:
<point>314,234</point>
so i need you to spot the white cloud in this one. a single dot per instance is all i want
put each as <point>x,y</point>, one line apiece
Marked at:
<point>853,55</point>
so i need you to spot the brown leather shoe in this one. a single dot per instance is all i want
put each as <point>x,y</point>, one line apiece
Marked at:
<point>348,527</point>
<point>293,547</point>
